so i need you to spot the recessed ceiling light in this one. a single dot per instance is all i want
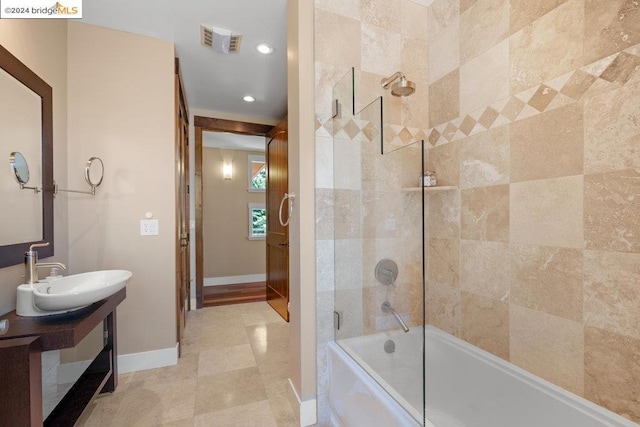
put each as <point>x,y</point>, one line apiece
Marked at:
<point>264,49</point>
<point>249,98</point>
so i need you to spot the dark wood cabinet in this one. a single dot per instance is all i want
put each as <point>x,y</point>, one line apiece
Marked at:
<point>21,348</point>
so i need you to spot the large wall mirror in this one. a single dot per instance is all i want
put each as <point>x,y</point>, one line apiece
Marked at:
<point>26,127</point>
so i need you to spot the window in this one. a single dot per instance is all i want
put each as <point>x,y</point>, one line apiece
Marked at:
<point>257,221</point>
<point>257,174</point>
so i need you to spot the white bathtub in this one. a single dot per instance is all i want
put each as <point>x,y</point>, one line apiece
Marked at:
<point>465,386</point>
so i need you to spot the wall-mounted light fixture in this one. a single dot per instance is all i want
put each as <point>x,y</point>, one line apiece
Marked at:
<point>227,170</point>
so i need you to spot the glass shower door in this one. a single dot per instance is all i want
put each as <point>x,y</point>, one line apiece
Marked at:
<point>379,251</point>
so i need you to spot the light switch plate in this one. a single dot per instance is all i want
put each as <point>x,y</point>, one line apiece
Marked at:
<point>149,227</point>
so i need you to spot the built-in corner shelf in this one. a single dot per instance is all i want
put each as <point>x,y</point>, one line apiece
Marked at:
<point>430,189</point>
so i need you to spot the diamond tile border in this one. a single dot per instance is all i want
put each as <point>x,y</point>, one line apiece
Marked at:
<point>601,76</point>
<point>604,75</point>
<point>354,129</point>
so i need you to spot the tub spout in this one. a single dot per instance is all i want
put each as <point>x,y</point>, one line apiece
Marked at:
<point>386,307</point>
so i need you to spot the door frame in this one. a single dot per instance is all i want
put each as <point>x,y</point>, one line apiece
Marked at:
<point>212,124</point>
<point>181,176</point>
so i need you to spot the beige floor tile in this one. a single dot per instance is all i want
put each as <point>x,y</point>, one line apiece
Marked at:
<point>157,403</point>
<point>270,352</point>
<point>277,391</point>
<point>186,369</point>
<point>100,411</point>
<point>218,376</point>
<point>225,359</point>
<point>187,422</point>
<point>223,337</point>
<point>229,389</point>
<point>261,318</point>
<point>268,332</point>
<point>123,382</point>
<point>220,310</point>
<point>252,307</point>
<point>256,414</point>
<point>274,371</point>
<point>190,347</point>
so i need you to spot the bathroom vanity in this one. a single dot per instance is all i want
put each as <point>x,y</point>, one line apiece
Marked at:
<point>21,346</point>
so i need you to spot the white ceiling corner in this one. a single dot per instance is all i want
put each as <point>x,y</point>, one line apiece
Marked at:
<point>213,81</point>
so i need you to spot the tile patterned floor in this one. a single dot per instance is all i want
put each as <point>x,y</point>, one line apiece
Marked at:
<point>233,372</point>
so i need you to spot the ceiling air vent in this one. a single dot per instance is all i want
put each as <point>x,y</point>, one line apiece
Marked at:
<point>219,39</point>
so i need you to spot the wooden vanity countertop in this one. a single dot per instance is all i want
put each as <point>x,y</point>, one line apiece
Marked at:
<point>62,330</point>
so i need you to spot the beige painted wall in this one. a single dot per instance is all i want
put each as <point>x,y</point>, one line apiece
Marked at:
<point>227,250</point>
<point>192,161</point>
<point>41,45</point>
<point>121,108</point>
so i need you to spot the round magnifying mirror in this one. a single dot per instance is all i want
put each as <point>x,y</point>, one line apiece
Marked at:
<point>94,172</point>
<point>20,167</point>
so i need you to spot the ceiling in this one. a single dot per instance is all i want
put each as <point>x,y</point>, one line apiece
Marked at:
<point>213,81</point>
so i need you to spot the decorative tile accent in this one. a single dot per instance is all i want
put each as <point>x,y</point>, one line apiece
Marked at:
<point>578,84</point>
<point>351,129</point>
<point>405,136</point>
<point>434,136</point>
<point>370,131</point>
<point>513,108</point>
<point>324,126</point>
<point>601,76</point>
<point>450,131</point>
<point>621,68</point>
<point>467,125</point>
<point>542,98</point>
<point>488,117</point>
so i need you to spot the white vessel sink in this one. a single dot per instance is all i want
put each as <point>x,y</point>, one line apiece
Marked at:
<point>69,293</point>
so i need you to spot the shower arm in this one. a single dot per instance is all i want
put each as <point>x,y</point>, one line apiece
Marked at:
<point>392,78</point>
<point>386,308</point>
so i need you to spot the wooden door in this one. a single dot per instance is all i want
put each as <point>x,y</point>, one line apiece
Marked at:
<point>277,234</point>
<point>183,274</point>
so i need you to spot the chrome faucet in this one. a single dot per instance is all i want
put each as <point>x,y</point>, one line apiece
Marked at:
<point>386,308</point>
<point>31,263</point>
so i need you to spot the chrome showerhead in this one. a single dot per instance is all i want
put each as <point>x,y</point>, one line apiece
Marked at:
<point>402,88</point>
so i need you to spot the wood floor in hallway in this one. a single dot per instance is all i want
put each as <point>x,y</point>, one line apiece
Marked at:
<point>233,372</point>
<point>234,294</point>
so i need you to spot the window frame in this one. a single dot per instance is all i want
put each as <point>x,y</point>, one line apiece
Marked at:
<point>251,208</point>
<point>250,159</point>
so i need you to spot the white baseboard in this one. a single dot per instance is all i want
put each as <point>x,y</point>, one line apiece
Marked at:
<point>194,304</point>
<point>232,280</point>
<point>148,360</point>
<point>307,410</point>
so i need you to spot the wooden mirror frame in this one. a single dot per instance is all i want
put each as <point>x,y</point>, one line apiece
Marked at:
<point>13,254</point>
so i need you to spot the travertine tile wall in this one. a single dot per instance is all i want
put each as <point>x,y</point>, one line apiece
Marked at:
<point>533,110</point>
<point>535,115</point>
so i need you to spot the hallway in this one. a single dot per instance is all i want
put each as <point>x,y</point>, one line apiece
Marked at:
<point>233,372</point>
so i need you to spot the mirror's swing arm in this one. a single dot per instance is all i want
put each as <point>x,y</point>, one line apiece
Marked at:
<point>57,189</point>
<point>87,177</point>
<point>35,189</point>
